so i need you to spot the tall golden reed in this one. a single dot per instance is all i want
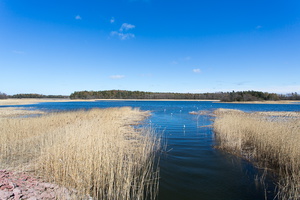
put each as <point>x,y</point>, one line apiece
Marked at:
<point>97,152</point>
<point>269,139</point>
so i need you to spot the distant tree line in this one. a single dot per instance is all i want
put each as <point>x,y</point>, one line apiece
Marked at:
<point>3,96</point>
<point>290,96</point>
<point>125,94</point>
<point>249,96</point>
<point>223,96</point>
<point>33,95</point>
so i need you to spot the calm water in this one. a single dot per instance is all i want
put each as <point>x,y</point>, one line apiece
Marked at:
<point>191,168</point>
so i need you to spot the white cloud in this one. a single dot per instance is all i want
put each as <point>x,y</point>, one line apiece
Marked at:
<point>126,27</point>
<point>196,70</point>
<point>78,17</point>
<point>174,62</point>
<point>112,20</point>
<point>122,36</point>
<point>116,76</point>
<point>258,27</point>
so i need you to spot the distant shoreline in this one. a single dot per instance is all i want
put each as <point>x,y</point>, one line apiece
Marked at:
<point>26,101</point>
<point>263,102</point>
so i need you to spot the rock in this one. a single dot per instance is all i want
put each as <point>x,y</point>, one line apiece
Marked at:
<point>32,198</point>
<point>17,191</point>
<point>6,187</point>
<point>18,197</point>
<point>48,185</point>
<point>13,185</point>
<point>6,194</point>
<point>16,186</point>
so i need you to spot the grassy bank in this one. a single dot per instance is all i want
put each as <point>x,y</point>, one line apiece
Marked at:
<point>96,152</point>
<point>269,139</point>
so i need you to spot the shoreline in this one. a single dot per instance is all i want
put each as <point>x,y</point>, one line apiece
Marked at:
<point>264,102</point>
<point>27,101</point>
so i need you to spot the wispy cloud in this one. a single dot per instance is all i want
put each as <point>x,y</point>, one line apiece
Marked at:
<point>117,77</point>
<point>258,27</point>
<point>174,62</point>
<point>122,36</point>
<point>112,20</point>
<point>126,27</point>
<point>196,70</point>
<point>78,17</point>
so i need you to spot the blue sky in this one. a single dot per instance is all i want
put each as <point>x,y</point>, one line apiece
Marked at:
<point>58,47</point>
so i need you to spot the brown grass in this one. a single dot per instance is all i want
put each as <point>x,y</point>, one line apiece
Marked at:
<point>26,101</point>
<point>96,152</point>
<point>18,112</point>
<point>270,140</point>
<point>264,102</point>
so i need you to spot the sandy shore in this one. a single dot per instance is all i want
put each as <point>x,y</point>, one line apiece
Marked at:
<point>22,111</point>
<point>4,102</point>
<point>264,102</point>
<point>7,102</point>
<point>18,111</point>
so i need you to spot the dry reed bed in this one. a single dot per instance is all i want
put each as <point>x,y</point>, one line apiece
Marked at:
<point>96,152</point>
<point>271,144</point>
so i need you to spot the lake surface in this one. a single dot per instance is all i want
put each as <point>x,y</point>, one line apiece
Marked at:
<point>191,168</point>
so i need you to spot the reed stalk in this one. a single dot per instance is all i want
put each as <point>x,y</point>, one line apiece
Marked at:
<point>271,140</point>
<point>97,152</point>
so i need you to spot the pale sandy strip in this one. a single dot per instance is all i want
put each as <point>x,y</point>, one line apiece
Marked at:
<point>35,101</point>
<point>264,102</point>
<point>19,111</point>
<point>5,102</point>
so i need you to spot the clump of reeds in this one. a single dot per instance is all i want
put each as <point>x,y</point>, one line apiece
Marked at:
<point>270,140</point>
<point>97,152</point>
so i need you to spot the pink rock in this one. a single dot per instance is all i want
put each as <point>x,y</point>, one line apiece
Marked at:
<point>30,190</point>
<point>32,198</point>
<point>6,187</point>
<point>24,178</point>
<point>13,185</point>
<point>5,194</point>
<point>48,185</point>
<point>17,191</point>
<point>18,197</point>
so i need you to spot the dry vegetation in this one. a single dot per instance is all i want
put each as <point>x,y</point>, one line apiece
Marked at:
<point>18,112</point>
<point>96,152</point>
<point>269,139</point>
<point>29,101</point>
